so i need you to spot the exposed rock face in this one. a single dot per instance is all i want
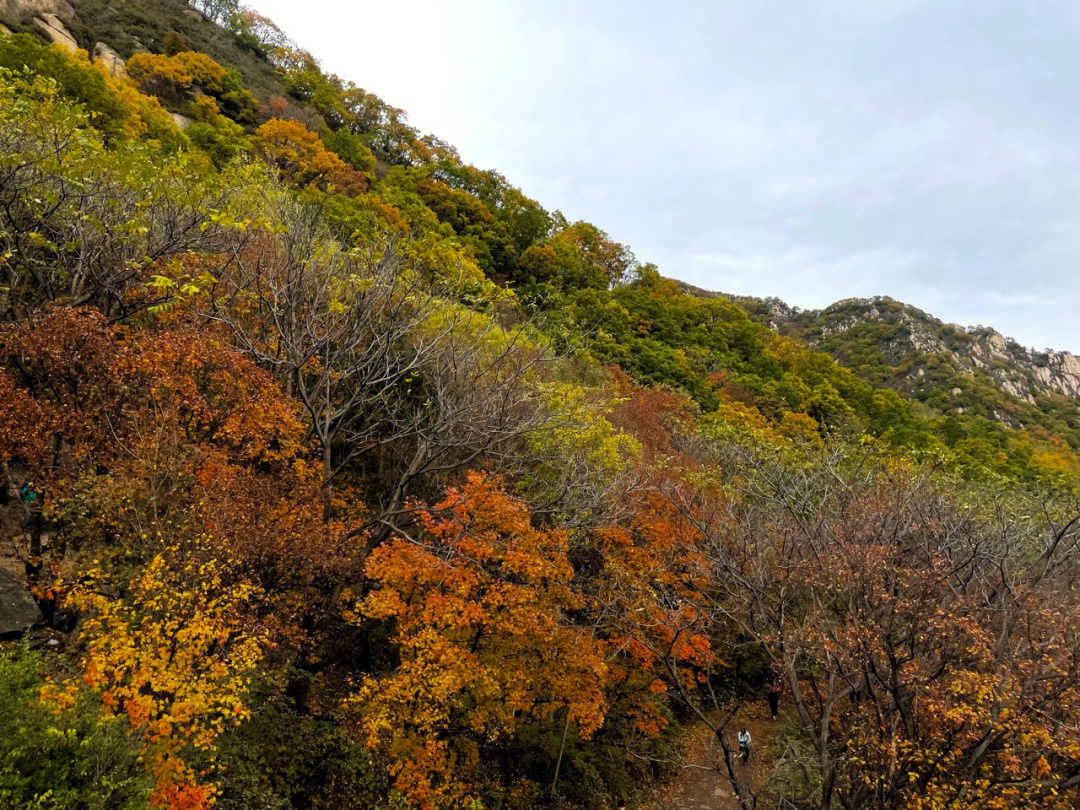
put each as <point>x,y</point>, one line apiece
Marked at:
<point>182,121</point>
<point>17,8</point>
<point>56,31</point>
<point>952,369</point>
<point>18,611</point>
<point>1021,372</point>
<point>111,60</point>
<point>1062,371</point>
<point>778,312</point>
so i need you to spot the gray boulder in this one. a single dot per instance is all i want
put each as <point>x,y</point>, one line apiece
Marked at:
<point>18,610</point>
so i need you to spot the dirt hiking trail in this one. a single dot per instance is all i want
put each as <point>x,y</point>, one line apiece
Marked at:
<point>699,785</point>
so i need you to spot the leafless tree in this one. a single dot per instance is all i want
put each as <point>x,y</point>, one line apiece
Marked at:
<point>866,583</point>
<point>394,376</point>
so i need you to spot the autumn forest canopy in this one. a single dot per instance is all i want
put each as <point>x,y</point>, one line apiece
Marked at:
<point>339,473</point>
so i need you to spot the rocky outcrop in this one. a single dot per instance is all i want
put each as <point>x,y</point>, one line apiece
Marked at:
<point>950,369</point>
<point>1024,373</point>
<point>1020,372</point>
<point>109,59</point>
<point>779,312</point>
<point>48,15</point>
<point>1061,371</point>
<point>56,31</point>
<point>18,611</point>
<point>13,9</point>
<point>182,121</point>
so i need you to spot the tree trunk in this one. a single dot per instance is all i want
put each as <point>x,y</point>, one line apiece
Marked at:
<point>562,747</point>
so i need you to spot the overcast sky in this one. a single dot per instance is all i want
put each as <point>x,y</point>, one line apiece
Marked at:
<point>810,151</point>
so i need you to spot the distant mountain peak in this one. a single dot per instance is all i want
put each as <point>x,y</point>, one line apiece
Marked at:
<point>952,369</point>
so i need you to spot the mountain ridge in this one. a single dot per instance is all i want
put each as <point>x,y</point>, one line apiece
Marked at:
<point>1050,370</point>
<point>950,368</point>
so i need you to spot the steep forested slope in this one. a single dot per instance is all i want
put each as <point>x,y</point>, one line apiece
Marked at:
<point>340,473</point>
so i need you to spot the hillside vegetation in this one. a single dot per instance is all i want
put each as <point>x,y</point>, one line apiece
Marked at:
<point>970,375</point>
<point>341,474</point>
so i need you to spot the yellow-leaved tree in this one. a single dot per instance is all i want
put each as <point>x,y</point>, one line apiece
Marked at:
<point>174,655</point>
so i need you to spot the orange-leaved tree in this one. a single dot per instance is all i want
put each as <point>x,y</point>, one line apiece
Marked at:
<point>298,154</point>
<point>144,442</point>
<point>654,590</point>
<point>479,602</point>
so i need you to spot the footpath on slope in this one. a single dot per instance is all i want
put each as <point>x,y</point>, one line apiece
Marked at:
<point>699,784</point>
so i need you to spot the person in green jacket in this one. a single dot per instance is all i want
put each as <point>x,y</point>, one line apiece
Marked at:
<point>30,495</point>
<point>744,744</point>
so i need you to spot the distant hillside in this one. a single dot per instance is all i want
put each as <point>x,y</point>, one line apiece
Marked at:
<point>950,369</point>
